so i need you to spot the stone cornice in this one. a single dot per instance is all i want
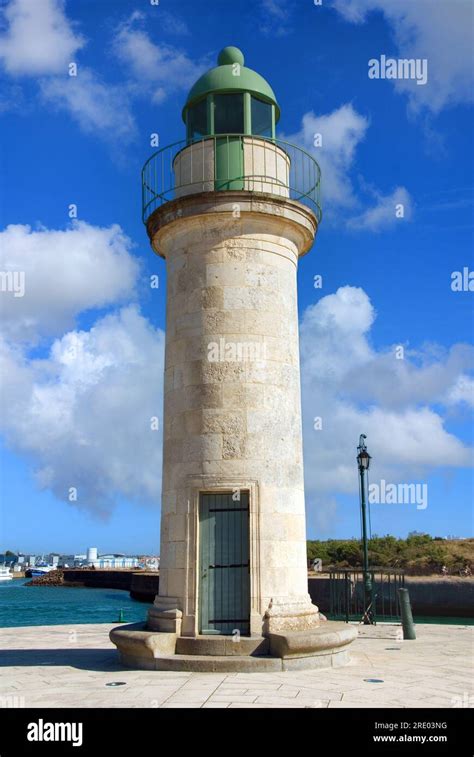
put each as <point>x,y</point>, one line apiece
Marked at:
<point>297,221</point>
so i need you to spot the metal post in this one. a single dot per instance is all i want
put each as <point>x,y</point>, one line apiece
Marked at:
<point>347,597</point>
<point>368,614</point>
<point>407,617</point>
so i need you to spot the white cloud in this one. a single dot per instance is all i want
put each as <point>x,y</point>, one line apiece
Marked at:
<point>333,139</point>
<point>81,409</point>
<point>156,68</point>
<point>275,17</point>
<point>462,391</point>
<point>355,388</point>
<point>341,132</point>
<point>441,32</point>
<point>172,24</point>
<point>346,317</point>
<point>388,210</point>
<point>39,39</point>
<point>65,273</point>
<point>83,414</point>
<point>97,107</point>
<point>429,375</point>
<point>276,8</point>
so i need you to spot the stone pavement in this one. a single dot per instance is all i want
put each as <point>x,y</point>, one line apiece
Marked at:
<point>70,666</point>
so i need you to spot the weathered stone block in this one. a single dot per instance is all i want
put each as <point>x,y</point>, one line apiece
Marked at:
<point>203,447</point>
<point>212,297</point>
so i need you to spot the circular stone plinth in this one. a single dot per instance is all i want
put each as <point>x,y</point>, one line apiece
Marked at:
<point>322,647</point>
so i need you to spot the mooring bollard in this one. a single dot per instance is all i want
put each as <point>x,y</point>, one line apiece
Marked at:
<point>407,617</point>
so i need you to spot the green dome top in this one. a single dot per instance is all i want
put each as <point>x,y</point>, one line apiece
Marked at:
<point>230,55</point>
<point>223,78</point>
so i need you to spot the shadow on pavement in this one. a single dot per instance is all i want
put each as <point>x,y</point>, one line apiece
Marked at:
<point>83,659</point>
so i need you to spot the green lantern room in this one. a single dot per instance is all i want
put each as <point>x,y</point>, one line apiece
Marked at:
<point>231,99</point>
<point>230,144</point>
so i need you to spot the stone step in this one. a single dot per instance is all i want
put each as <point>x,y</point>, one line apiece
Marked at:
<point>237,663</point>
<point>223,646</point>
<point>225,664</point>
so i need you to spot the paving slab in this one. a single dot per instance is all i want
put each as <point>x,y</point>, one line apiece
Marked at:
<point>70,666</point>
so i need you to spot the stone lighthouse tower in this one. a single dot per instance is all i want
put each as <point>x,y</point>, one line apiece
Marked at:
<point>231,209</point>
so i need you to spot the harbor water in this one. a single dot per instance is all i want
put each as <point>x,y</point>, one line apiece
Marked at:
<point>22,605</point>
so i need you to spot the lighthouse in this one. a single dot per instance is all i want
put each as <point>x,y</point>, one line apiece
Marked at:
<point>231,209</point>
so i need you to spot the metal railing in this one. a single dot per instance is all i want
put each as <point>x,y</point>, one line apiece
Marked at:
<point>230,161</point>
<point>347,597</point>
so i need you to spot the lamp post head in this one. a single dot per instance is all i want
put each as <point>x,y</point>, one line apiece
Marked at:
<point>363,457</point>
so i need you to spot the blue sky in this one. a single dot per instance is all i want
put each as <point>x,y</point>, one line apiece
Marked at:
<point>82,350</point>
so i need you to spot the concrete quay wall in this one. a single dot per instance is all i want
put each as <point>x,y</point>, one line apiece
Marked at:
<point>429,595</point>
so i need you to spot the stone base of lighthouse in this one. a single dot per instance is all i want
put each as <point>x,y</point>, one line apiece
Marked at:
<point>323,646</point>
<point>233,589</point>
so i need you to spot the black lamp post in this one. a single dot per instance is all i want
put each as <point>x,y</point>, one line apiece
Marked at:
<point>363,462</point>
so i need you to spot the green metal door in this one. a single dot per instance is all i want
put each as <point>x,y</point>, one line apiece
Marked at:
<point>224,587</point>
<point>229,163</point>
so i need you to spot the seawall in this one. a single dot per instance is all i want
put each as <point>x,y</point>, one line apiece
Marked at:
<point>444,596</point>
<point>100,578</point>
<point>430,595</point>
<point>142,585</point>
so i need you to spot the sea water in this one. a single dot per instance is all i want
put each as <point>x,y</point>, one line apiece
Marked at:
<point>22,605</point>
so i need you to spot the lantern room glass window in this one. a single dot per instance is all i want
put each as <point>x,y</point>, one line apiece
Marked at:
<point>229,114</point>
<point>197,120</point>
<point>261,118</point>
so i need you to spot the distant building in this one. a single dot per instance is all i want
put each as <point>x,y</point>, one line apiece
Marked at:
<point>115,560</point>
<point>150,563</point>
<point>7,559</point>
<point>66,561</point>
